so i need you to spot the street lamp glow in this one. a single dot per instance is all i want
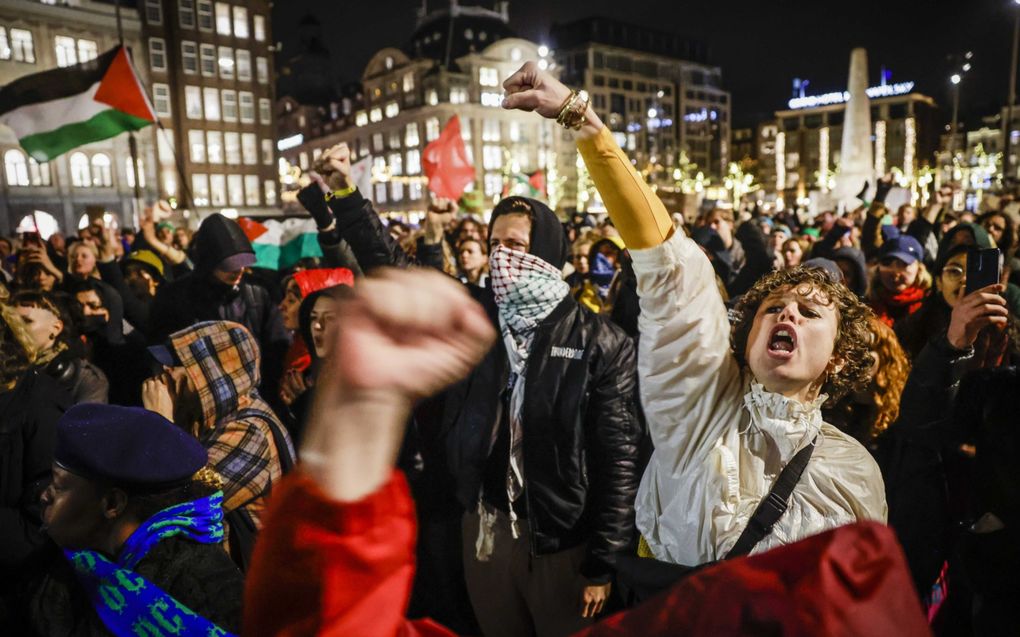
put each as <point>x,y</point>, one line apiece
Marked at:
<point>955,79</point>
<point>543,50</point>
<point>966,67</point>
<point>543,64</point>
<point>652,113</point>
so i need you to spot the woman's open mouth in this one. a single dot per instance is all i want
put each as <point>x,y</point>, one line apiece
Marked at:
<point>782,341</point>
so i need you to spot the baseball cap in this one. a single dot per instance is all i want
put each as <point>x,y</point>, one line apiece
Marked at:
<point>904,247</point>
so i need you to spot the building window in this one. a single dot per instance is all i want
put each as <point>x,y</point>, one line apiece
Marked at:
<point>431,97</point>
<point>488,76</point>
<point>214,146</point>
<point>431,129</point>
<point>361,118</point>
<point>241,22</point>
<point>67,54</point>
<point>377,142</point>
<point>375,115</point>
<point>247,107</point>
<point>165,147</point>
<point>229,103</point>
<point>492,157</point>
<point>413,162</point>
<point>5,45</point>
<point>465,129</point>
<point>211,99</point>
<point>102,176</point>
<point>16,168</point>
<point>218,190</point>
<point>249,149</point>
<point>265,111</point>
<point>251,190</point>
<point>244,65</point>
<point>396,163</point>
<point>153,12</point>
<point>87,50</point>
<point>208,60</point>
<point>196,146</point>
<point>235,190</point>
<point>189,57</point>
<point>458,95</point>
<point>267,152</point>
<point>262,70</point>
<point>205,15</point>
<point>408,82</point>
<point>258,23</point>
<point>414,191</point>
<point>380,193</point>
<point>491,99</point>
<point>269,186</point>
<point>22,48</point>
<point>411,135</point>
<point>129,175</point>
<point>226,62</point>
<point>193,102</point>
<point>80,174</point>
<point>232,148</point>
<point>222,18</point>
<point>490,130</point>
<point>38,174</point>
<point>161,99</point>
<point>515,131</point>
<point>397,191</point>
<point>200,189</point>
<point>392,109</point>
<point>157,53</point>
<point>493,184</point>
<point>186,13</point>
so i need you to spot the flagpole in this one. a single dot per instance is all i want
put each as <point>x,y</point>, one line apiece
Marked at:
<point>132,143</point>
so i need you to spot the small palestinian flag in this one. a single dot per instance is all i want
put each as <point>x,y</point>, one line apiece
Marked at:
<point>60,109</point>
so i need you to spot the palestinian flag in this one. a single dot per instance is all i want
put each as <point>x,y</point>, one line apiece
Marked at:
<point>280,244</point>
<point>60,109</point>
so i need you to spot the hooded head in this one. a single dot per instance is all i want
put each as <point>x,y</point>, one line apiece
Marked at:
<point>220,244</point>
<point>546,239</point>
<point>959,238</point>
<point>605,258</point>
<point>855,269</point>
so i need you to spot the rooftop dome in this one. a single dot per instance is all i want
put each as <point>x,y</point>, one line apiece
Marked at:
<point>452,32</point>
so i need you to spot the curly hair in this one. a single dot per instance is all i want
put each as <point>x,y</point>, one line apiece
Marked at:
<point>852,335</point>
<point>891,371</point>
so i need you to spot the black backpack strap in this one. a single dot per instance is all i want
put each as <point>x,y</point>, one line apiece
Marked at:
<point>774,505</point>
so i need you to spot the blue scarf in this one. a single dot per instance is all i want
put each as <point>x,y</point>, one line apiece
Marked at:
<point>129,604</point>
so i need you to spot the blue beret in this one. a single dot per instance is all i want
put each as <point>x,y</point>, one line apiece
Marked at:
<point>128,446</point>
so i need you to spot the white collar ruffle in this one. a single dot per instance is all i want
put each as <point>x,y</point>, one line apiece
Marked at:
<point>789,423</point>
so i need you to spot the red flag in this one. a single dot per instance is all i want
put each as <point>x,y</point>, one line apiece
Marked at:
<point>446,163</point>
<point>537,181</point>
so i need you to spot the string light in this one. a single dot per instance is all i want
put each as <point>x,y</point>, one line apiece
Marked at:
<point>910,148</point>
<point>823,159</point>
<point>880,147</point>
<point>780,162</point>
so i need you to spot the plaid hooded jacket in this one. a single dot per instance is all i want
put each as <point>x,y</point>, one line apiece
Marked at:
<point>222,360</point>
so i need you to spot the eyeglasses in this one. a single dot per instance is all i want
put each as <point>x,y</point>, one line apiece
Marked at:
<point>953,272</point>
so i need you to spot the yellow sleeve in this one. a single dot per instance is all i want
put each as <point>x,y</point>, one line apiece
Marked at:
<point>637,212</point>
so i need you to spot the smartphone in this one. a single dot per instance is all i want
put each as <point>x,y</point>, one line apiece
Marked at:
<point>30,238</point>
<point>984,268</point>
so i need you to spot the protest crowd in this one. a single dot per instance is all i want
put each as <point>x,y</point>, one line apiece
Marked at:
<point>752,422</point>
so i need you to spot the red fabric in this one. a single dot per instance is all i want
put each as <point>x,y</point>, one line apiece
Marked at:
<point>537,181</point>
<point>326,568</point>
<point>321,278</point>
<point>252,229</point>
<point>446,163</point>
<point>298,357</point>
<point>890,308</point>
<point>848,582</point>
<point>121,90</point>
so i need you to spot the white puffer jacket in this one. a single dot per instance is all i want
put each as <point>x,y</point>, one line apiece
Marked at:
<point>720,438</point>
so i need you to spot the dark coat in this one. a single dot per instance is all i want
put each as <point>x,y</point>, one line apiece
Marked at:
<point>83,381</point>
<point>202,577</point>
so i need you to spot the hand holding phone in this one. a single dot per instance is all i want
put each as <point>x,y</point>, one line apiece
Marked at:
<point>984,268</point>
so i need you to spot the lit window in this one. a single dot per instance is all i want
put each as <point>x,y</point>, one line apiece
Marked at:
<point>414,191</point>
<point>5,45</point>
<point>411,135</point>
<point>186,13</point>
<point>130,174</point>
<point>208,60</point>
<point>492,157</point>
<point>205,15</point>
<point>380,193</point>
<point>218,190</point>
<point>361,118</point>
<point>262,70</point>
<point>235,190</point>
<point>408,82</point>
<point>491,99</point>
<point>396,163</point>
<point>161,99</point>
<point>395,139</point>
<point>214,146</point>
<point>200,189</point>
<point>392,109</point>
<point>490,130</point>
<point>269,186</point>
<point>267,152</point>
<point>193,102</point>
<point>388,62</point>
<point>377,142</point>
<point>465,129</point>
<point>303,160</point>
<point>232,148</point>
<point>153,12</point>
<point>81,176</point>
<point>247,107</point>
<point>39,174</point>
<point>22,47</point>
<point>87,50</point>
<point>431,97</point>
<point>165,147</point>
<point>375,115</point>
<point>16,168</point>
<point>241,22</point>
<point>251,190</point>
<point>413,162</point>
<point>249,149</point>
<point>229,102</point>
<point>101,174</point>
<point>398,191</point>
<point>226,61</point>
<point>196,146</point>
<point>493,184</point>
<point>244,65</point>
<point>222,18</point>
<point>189,57</point>
<point>67,54</point>
<point>488,76</point>
<point>458,95</point>
<point>265,111</point>
<point>259,27</point>
<point>157,53</point>
<point>431,129</point>
<point>515,131</point>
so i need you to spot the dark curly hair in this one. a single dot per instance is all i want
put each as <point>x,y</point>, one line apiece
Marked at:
<point>852,333</point>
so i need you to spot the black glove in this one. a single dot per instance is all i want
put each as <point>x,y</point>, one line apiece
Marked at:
<point>312,199</point>
<point>864,191</point>
<point>882,189</point>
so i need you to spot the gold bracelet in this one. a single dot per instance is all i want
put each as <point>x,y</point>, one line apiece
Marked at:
<point>341,193</point>
<point>574,115</point>
<point>566,106</point>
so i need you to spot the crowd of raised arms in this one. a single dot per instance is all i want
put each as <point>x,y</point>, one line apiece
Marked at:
<point>751,422</point>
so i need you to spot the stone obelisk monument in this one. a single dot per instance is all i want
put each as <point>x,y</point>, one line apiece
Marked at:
<point>856,155</point>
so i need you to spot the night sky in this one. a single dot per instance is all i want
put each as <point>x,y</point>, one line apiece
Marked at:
<point>761,46</point>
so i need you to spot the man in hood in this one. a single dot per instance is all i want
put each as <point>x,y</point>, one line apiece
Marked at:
<point>216,291</point>
<point>542,438</point>
<point>207,386</point>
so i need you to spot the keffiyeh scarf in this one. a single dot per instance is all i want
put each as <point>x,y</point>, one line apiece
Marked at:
<point>131,605</point>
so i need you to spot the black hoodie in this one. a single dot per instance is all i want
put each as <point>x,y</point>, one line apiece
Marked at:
<point>217,239</point>
<point>548,240</point>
